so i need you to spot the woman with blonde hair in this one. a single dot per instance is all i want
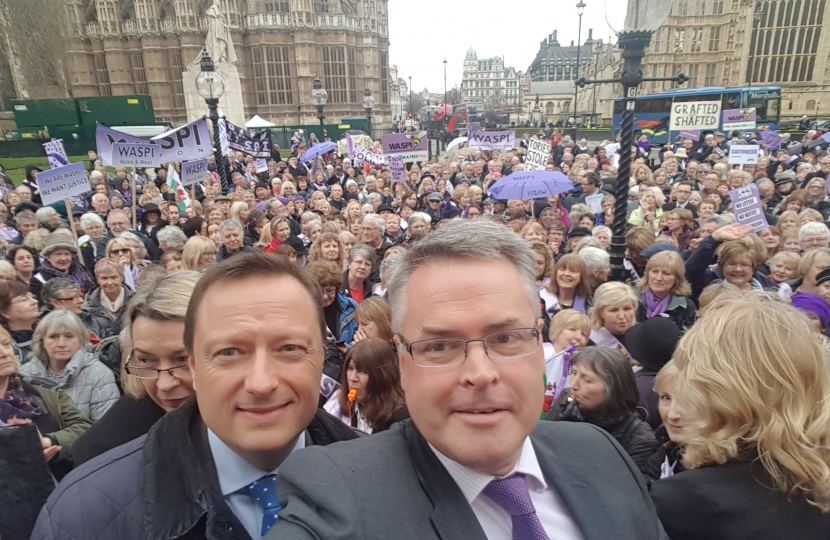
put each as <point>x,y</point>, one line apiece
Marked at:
<point>613,314</point>
<point>788,220</point>
<point>374,320</point>
<point>275,234</point>
<point>239,212</point>
<point>327,247</point>
<point>664,292</point>
<point>640,174</point>
<point>533,232</point>
<point>758,455</point>
<point>199,251</point>
<point>651,208</point>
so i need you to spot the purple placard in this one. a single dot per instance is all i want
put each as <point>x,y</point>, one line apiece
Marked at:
<point>772,139</point>
<point>746,205</point>
<point>413,146</point>
<point>739,119</point>
<point>694,134</point>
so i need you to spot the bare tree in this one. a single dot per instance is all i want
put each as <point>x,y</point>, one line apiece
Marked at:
<point>34,39</point>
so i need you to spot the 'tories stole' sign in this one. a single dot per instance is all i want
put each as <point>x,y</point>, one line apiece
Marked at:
<point>687,116</point>
<point>413,146</point>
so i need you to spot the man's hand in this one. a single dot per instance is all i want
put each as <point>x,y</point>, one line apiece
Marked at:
<point>734,231</point>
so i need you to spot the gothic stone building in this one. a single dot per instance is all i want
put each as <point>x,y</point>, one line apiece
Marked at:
<point>143,46</point>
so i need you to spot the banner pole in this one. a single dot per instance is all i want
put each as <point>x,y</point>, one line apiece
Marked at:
<point>135,200</point>
<point>69,206</point>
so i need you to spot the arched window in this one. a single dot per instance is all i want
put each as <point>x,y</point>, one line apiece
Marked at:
<point>549,107</point>
<point>566,107</point>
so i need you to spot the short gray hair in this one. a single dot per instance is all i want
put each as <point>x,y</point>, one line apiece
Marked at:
<point>419,216</point>
<point>62,320</point>
<point>719,221</point>
<point>115,212</point>
<point>56,287</point>
<point>364,250</point>
<point>172,237</point>
<point>372,197</point>
<point>91,219</point>
<point>595,259</point>
<point>26,215</point>
<point>380,223</point>
<point>43,215</point>
<point>813,228</point>
<point>477,240</point>
<point>229,225</point>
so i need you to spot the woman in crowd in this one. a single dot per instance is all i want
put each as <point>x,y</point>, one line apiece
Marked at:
<point>58,420</point>
<point>603,234</point>
<point>111,297</point>
<point>544,263</point>
<point>61,359</point>
<point>327,247</point>
<point>356,283</point>
<point>154,372</point>
<point>374,320</point>
<point>533,232</point>
<point>613,314</point>
<point>673,433</point>
<point>25,261</point>
<point>788,220</point>
<point>275,234</point>
<point>198,253</point>
<point>568,287</point>
<point>59,254</point>
<point>370,398</point>
<point>568,333</point>
<point>63,293</point>
<point>338,309</point>
<point>758,460</point>
<point>679,227</point>
<point>171,239</point>
<point>123,253</point>
<point>19,312</point>
<point>603,393</point>
<point>771,238</point>
<point>664,292</point>
<point>650,211</point>
<point>239,212</point>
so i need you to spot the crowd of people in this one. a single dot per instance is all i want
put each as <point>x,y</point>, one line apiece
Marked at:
<point>188,375</point>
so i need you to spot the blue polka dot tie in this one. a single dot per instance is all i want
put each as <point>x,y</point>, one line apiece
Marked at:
<point>512,494</point>
<point>264,493</point>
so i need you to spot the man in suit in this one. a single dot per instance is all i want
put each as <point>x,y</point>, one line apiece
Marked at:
<point>474,462</point>
<point>683,191</point>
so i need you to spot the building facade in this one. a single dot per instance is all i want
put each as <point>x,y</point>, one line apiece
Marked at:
<point>488,81</point>
<point>143,46</point>
<point>737,43</point>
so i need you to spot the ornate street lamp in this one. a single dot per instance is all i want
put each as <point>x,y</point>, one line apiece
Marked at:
<point>368,104</point>
<point>580,7</point>
<point>319,98</point>
<point>211,87</point>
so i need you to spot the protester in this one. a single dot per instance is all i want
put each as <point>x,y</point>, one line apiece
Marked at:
<point>568,333</point>
<point>356,279</point>
<point>111,298</point>
<point>613,314</point>
<point>568,287</point>
<point>674,433</point>
<point>199,252</point>
<point>19,312</point>
<point>374,320</point>
<point>338,309</point>
<point>59,254</point>
<point>61,359</point>
<point>63,293</point>
<point>664,292</point>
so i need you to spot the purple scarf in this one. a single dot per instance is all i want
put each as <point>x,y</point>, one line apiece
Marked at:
<point>655,307</point>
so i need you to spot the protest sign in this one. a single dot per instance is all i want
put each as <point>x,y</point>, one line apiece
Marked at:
<point>62,182</point>
<point>360,155</point>
<point>194,172</point>
<point>104,139</point>
<point>55,153</point>
<point>136,155</point>
<point>744,154</point>
<point>538,152</point>
<point>594,202</point>
<point>412,146</point>
<point>187,142</point>
<point>493,140</point>
<point>693,134</point>
<point>257,144</point>
<point>740,119</point>
<point>397,168</point>
<point>747,207</point>
<point>261,165</point>
<point>686,116</point>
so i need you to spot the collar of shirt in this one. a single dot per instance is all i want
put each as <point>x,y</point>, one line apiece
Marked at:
<point>472,483</point>
<point>233,471</point>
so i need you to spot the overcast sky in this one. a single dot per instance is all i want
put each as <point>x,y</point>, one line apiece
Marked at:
<point>422,33</point>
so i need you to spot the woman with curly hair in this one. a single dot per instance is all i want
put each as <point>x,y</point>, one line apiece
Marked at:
<point>327,247</point>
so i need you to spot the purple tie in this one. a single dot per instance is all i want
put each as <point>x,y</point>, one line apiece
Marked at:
<point>512,494</point>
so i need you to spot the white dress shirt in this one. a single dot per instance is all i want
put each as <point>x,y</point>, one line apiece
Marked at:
<point>235,475</point>
<point>495,521</point>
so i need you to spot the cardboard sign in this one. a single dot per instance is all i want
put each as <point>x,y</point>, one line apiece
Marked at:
<point>594,202</point>
<point>194,172</point>
<point>135,155</point>
<point>740,119</point>
<point>747,207</point>
<point>261,165</point>
<point>690,115</point>
<point>397,168</point>
<point>493,140</point>
<point>413,146</point>
<point>744,154</point>
<point>63,182</point>
<point>538,152</point>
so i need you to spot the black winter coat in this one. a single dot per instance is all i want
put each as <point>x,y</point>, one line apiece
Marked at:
<point>163,485</point>
<point>93,303</point>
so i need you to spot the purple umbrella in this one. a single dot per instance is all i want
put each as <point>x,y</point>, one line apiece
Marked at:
<point>526,185</point>
<point>318,150</point>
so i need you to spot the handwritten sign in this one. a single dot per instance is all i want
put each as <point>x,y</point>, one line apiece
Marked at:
<point>690,115</point>
<point>261,165</point>
<point>135,155</point>
<point>747,207</point>
<point>63,182</point>
<point>194,172</point>
<point>538,152</point>
<point>397,168</point>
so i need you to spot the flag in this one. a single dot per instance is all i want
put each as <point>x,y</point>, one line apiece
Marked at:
<point>451,125</point>
<point>176,185</point>
<point>470,130</point>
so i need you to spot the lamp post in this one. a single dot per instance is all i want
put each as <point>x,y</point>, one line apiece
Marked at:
<point>211,87</point>
<point>644,17</point>
<point>368,104</point>
<point>319,97</point>
<point>445,87</point>
<point>411,115</point>
<point>580,9</point>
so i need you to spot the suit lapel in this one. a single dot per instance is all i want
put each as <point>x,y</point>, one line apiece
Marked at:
<point>574,482</point>
<point>452,516</point>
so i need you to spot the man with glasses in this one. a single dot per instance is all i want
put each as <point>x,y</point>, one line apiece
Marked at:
<point>373,233</point>
<point>474,461</point>
<point>813,235</point>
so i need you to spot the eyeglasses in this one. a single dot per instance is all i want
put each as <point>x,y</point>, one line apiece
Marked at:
<point>180,372</point>
<point>500,346</point>
<point>120,252</point>
<point>741,266</point>
<point>329,291</point>
<point>76,298</point>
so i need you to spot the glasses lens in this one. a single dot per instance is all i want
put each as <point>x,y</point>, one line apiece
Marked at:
<point>143,373</point>
<point>511,343</point>
<point>438,352</point>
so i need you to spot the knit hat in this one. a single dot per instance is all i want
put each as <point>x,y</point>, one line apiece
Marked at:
<point>823,276</point>
<point>813,304</point>
<point>58,240</point>
<point>578,232</point>
<point>652,343</point>
<point>255,216</point>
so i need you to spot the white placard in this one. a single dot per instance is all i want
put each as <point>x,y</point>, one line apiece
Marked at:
<point>63,182</point>
<point>595,202</point>
<point>744,154</point>
<point>135,155</point>
<point>692,115</point>
<point>538,152</point>
<point>194,172</point>
<point>261,165</point>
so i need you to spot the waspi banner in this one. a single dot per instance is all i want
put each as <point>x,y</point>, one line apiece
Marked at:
<point>256,144</point>
<point>492,140</point>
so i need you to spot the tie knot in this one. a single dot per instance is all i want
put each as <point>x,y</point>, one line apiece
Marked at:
<point>511,494</point>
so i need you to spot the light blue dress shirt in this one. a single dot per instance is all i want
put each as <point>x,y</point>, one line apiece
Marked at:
<point>235,475</point>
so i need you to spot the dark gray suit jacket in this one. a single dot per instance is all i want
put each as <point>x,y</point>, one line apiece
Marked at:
<point>392,485</point>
